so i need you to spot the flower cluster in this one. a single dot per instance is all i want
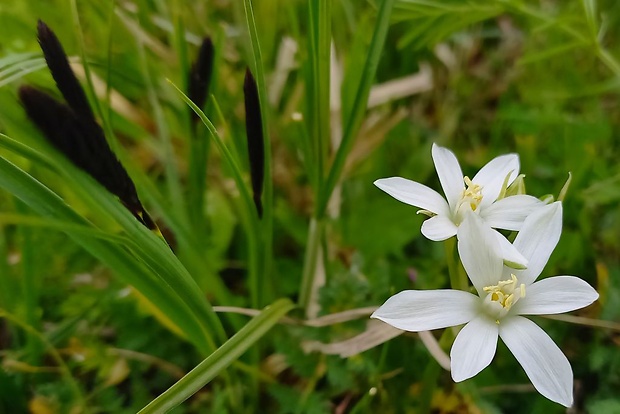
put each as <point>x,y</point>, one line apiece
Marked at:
<point>503,274</point>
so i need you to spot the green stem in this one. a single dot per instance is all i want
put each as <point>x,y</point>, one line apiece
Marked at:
<point>432,373</point>
<point>30,291</point>
<point>204,372</point>
<point>319,14</point>
<point>458,279</point>
<point>266,223</point>
<point>313,249</point>
<point>173,180</point>
<point>354,122</point>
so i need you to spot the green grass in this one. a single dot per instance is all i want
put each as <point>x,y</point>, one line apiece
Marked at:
<point>98,314</point>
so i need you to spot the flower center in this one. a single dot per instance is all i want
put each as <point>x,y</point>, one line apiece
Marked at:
<point>501,297</point>
<point>470,199</point>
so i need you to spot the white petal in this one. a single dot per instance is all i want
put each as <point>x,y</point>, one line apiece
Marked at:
<point>424,310</point>
<point>543,362</point>
<point>474,348</point>
<point>479,252</point>
<point>537,239</point>
<point>557,294</point>
<point>492,176</point>
<point>414,194</point>
<point>510,254</point>
<point>450,174</point>
<point>510,212</point>
<point>438,228</point>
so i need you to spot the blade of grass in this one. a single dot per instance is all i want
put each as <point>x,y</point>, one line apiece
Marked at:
<point>220,359</point>
<point>9,75</point>
<point>311,258</point>
<point>153,250</point>
<point>187,238</point>
<point>247,210</point>
<point>149,248</point>
<point>90,86</point>
<point>319,14</point>
<point>108,78</point>
<point>30,287</point>
<point>173,181</point>
<point>264,281</point>
<point>354,121</point>
<point>60,226</point>
<point>154,287</point>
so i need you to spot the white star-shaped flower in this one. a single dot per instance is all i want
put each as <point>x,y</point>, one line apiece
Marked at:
<point>481,194</point>
<point>504,294</point>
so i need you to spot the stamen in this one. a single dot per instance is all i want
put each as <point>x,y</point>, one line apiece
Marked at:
<point>503,296</point>
<point>470,199</point>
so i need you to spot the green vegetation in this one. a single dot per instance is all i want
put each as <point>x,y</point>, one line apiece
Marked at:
<point>99,315</point>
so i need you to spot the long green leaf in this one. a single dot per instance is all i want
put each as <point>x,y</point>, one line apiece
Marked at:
<point>151,249</point>
<point>267,220</point>
<point>319,15</point>
<point>45,202</point>
<point>220,359</point>
<point>359,107</point>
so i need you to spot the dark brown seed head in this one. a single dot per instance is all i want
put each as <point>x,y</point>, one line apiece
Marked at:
<point>72,129</point>
<point>200,76</point>
<point>254,132</point>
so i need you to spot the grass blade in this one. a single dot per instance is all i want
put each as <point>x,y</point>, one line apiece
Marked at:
<point>254,132</point>
<point>359,107</point>
<point>266,245</point>
<point>45,202</point>
<point>220,359</point>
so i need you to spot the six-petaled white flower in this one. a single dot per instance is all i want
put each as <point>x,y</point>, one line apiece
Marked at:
<point>482,194</point>
<point>504,294</point>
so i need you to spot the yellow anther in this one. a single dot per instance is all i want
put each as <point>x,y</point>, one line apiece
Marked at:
<point>505,294</point>
<point>470,199</point>
<point>472,194</point>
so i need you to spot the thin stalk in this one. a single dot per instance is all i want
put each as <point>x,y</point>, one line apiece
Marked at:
<point>46,203</point>
<point>266,223</point>
<point>230,351</point>
<point>458,279</point>
<point>354,122</point>
<point>248,210</point>
<point>432,372</point>
<point>319,14</point>
<point>197,141</point>
<point>107,124</point>
<point>313,249</point>
<point>90,86</point>
<point>29,294</point>
<point>173,181</point>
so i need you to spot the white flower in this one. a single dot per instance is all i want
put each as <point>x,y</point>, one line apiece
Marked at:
<point>504,295</point>
<point>463,195</point>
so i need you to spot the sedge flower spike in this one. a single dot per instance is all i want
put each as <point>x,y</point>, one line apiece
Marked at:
<point>483,194</point>
<point>504,295</point>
